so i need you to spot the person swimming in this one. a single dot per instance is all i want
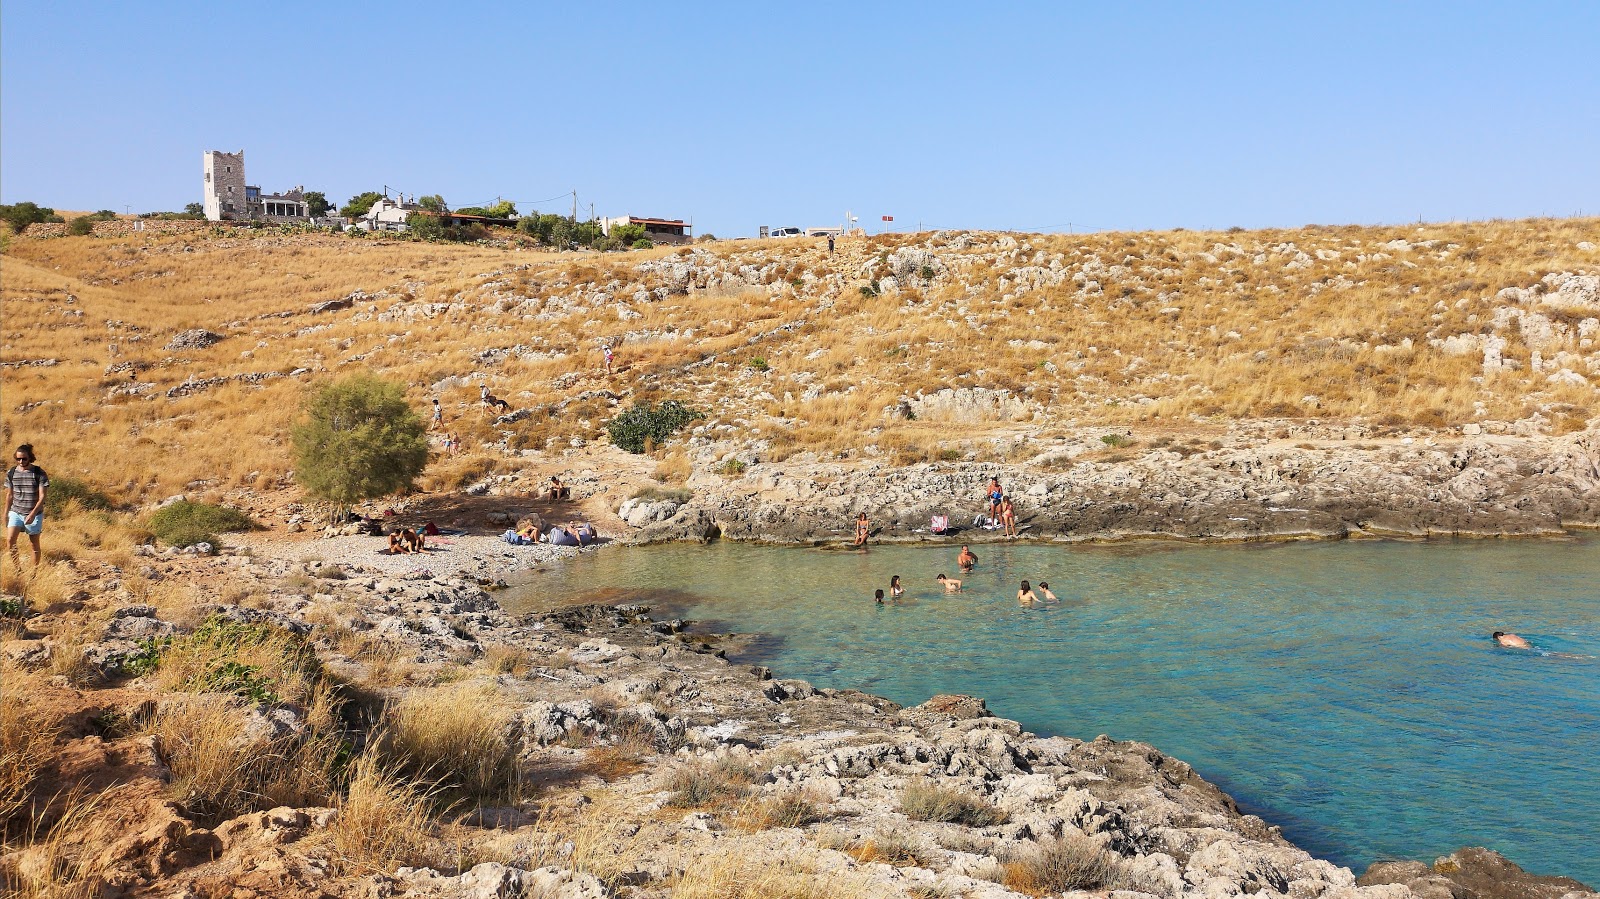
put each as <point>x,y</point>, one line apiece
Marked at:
<point>951,585</point>
<point>1511,641</point>
<point>895,590</point>
<point>1045,594</point>
<point>966,560</point>
<point>878,595</point>
<point>1026,596</point>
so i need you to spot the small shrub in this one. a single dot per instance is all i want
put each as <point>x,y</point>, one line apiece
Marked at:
<point>792,809</point>
<point>891,847</point>
<point>703,784</point>
<point>645,423</point>
<point>66,489</point>
<point>758,363</point>
<point>1071,862</point>
<point>869,289</point>
<point>659,494</point>
<point>382,822</point>
<point>83,226</point>
<point>1115,440</point>
<point>330,573</point>
<point>643,243</point>
<point>925,801</point>
<point>949,454</point>
<point>185,523</point>
<point>732,468</point>
<point>454,738</point>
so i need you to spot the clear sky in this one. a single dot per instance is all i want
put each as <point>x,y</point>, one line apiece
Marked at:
<point>967,115</point>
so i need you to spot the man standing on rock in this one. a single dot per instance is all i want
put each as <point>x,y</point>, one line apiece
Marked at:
<point>26,486</point>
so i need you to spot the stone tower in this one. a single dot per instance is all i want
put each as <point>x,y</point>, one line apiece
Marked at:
<point>224,186</point>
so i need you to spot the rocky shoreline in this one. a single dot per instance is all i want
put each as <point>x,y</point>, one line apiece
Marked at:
<point>941,799</point>
<point>1075,491</point>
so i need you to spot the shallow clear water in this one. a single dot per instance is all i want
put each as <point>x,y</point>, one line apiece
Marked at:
<point>1346,691</point>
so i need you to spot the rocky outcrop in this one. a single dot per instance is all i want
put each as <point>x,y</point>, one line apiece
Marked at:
<point>1472,486</point>
<point>1472,873</point>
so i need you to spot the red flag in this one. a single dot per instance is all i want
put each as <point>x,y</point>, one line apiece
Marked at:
<point>888,218</point>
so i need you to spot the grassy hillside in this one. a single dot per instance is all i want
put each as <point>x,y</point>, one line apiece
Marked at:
<point>781,344</point>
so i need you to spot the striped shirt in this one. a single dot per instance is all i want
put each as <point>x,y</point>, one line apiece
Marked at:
<point>24,484</point>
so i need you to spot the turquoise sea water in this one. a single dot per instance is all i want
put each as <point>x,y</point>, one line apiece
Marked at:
<point>1346,691</point>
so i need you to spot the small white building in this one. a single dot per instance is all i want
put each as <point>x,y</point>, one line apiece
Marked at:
<point>387,215</point>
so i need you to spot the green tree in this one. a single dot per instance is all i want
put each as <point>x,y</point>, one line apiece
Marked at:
<point>628,235</point>
<point>195,209</point>
<point>359,440</point>
<point>82,226</point>
<point>21,215</point>
<point>502,210</point>
<point>426,227</point>
<point>359,204</point>
<point>317,203</point>
<point>432,203</point>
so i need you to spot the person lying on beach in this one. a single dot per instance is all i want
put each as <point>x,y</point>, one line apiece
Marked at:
<point>967,559</point>
<point>951,585</point>
<point>1025,596</point>
<point>1511,640</point>
<point>1045,594</point>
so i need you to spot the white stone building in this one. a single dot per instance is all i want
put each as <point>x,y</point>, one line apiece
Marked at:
<point>227,197</point>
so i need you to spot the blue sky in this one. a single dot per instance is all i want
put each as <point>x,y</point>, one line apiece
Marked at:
<point>1025,116</point>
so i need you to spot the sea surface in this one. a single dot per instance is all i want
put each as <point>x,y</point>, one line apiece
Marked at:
<point>1347,691</point>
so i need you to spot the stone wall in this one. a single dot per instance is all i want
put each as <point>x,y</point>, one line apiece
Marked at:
<point>123,227</point>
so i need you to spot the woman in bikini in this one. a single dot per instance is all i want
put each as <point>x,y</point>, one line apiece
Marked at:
<point>895,590</point>
<point>1008,518</point>
<point>863,527</point>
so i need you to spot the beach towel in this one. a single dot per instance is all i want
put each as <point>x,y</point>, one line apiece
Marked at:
<point>940,524</point>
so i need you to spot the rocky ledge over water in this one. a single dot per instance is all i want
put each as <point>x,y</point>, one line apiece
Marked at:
<point>1271,489</point>
<point>648,766</point>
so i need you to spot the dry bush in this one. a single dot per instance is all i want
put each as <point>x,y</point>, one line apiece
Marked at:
<point>260,662</point>
<point>890,847</point>
<point>383,821</point>
<point>222,768</point>
<point>502,659</point>
<point>1070,862</point>
<point>794,808</point>
<point>922,800</point>
<point>454,738</point>
<point>701,784</point>
<point>731,875</point>
<point>59,863</point>
<point>28,732</point>
<point>674,468</point>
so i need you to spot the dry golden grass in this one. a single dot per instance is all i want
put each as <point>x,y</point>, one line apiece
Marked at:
<point>59,863</point>
<point>28,733</point>
<point>731,875</point>
<point>1070,862</point>
<point>1184,327</point>
<point>221,768</point>
<point>383,821</point>
<point>454,737</point>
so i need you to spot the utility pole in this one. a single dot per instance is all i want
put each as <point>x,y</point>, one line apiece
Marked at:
<point>574,205</point>
<point>591,212</point>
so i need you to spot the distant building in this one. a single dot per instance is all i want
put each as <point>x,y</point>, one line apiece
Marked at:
<point>387,215</point>
<point>227,198</point>
<point>658,230</point>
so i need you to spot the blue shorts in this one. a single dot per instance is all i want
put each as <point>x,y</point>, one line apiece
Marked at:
<point>15,520</point>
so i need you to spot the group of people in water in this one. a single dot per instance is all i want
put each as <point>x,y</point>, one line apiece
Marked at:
<point>1027,595</point>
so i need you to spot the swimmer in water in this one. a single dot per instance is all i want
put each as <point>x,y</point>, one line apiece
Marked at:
<point>1026,596</point>
<point>1511,641</point>
<point>951,585</point>
<point>966,560</point>
<point>1045,594</point>
<point>878,595</point>
<point>895,590</point>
